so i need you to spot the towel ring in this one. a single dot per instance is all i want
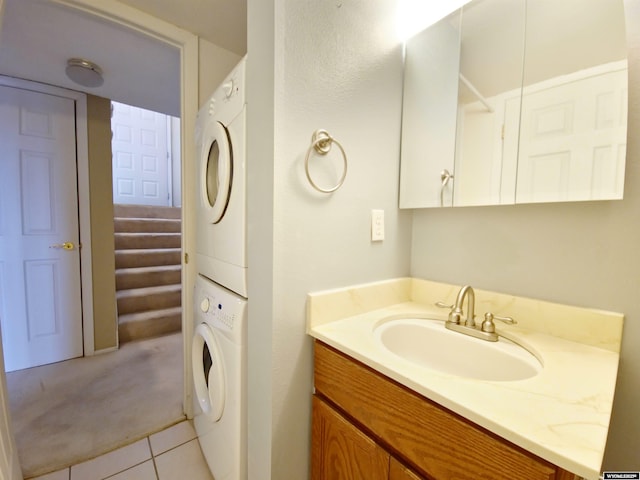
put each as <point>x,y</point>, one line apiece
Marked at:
<point>321,142</point>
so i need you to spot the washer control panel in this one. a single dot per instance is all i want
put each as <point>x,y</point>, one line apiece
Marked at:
<point>218,312</point>
<point>220,308</point>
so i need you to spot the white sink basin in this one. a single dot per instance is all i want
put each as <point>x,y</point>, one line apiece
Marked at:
<point>427,343</point>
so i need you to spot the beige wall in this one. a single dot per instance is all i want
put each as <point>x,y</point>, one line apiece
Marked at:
<point>575,253</point>
<point>101,210</point>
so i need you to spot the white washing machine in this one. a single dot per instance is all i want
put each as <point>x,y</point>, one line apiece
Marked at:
<point>221,252</point>
<point>219,374</point>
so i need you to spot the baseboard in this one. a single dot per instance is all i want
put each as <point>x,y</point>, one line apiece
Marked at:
<point>103,350</point>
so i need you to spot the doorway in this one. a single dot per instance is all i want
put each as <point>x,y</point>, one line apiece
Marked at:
<point>62,398</point>
<point>39,231</point>
<point>29,218</point>
<point>187,46</point>
<point>146,157</point>
<point>147,221</point>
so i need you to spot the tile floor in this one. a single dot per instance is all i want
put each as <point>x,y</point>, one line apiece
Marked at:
<point>167,455</point>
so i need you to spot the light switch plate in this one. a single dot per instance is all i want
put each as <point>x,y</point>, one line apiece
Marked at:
<point>377,225</point>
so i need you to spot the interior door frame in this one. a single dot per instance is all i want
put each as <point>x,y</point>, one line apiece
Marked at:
<point>84,218</point>
<point>187,44</point>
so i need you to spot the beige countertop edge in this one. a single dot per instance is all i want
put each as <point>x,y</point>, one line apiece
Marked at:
<point>572,397</point>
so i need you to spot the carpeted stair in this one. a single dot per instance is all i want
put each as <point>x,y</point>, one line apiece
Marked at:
<point>148,271</point>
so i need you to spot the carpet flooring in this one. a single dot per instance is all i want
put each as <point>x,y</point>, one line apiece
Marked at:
<point>71,411</point>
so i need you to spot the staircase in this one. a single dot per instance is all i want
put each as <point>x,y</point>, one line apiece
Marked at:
<point>148,271</point>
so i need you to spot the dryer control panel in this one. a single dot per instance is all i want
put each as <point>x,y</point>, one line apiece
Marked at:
<point>229,97</point>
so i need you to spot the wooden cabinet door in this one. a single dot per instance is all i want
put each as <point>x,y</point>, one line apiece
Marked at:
<point>398,418</point>
<point>397,471</point>
<point>342,452</point>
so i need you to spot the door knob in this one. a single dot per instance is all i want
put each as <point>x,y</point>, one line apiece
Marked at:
<point>64,246</point>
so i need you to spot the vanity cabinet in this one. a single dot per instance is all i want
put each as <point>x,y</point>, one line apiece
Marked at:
<point>366,426</point>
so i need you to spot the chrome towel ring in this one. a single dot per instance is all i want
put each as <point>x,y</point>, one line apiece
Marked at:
<point>321,142</point>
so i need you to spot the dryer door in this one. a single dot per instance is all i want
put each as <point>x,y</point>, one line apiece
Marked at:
<point>216,171</point>
<point>208,372</point>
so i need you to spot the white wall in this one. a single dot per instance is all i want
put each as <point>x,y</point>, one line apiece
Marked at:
<point>337,66</point>
<point>575,253</point>
<point>260,188</point>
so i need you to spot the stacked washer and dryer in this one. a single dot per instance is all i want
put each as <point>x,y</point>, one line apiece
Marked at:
<point>220,310</point>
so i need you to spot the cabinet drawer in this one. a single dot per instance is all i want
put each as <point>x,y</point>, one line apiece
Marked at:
<point>434,441</point>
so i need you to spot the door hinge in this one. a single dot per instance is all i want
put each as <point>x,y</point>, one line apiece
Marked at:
<point>186,258</point>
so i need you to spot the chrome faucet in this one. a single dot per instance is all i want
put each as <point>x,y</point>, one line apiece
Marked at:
<point>486,331</point>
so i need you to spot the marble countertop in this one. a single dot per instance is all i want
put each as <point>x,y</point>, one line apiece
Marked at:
<point>561,414</point>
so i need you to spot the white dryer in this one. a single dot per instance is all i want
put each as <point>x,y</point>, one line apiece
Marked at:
<point>221,251</point>
<point>219,374</point>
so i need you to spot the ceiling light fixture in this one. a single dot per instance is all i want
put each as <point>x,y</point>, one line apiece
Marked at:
<point>83,72</point>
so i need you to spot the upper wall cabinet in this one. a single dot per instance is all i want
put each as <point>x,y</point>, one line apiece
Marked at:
<point>516,101</point>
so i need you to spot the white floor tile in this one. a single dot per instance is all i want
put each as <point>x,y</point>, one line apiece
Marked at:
<point>59,475</point>
<point>185,461</point>
<point>144,471</point>
<point>112,462</point>
<point>172,437</point>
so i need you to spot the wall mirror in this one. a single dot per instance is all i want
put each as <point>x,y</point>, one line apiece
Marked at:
<point>516,101</point>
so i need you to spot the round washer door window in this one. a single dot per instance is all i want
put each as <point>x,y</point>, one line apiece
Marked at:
<point>216,171</point>
<point>208,372</point>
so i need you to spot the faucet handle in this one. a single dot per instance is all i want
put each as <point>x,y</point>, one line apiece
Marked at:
<point>443,305</point>
<point>455,316</point>
<point>489,326</point>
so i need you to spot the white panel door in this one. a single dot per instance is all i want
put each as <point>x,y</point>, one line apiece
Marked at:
<point>140,156</point>
<point>573,140</point>
<point>40,307</point>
